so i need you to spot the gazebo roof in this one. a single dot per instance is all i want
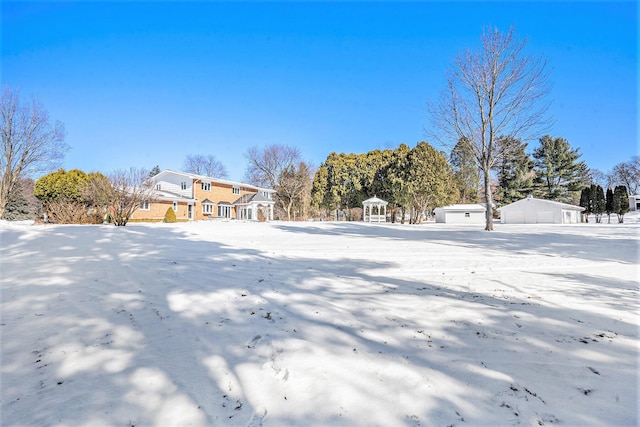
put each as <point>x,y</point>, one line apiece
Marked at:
<point>375,201</point>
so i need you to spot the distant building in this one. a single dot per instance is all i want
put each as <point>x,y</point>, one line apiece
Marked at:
<point>634,202</point>
<point>539,211</point>
<point>198,197</point>
<point>461,214</point>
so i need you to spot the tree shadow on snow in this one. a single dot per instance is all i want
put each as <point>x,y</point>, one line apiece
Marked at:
<point>147,326</point>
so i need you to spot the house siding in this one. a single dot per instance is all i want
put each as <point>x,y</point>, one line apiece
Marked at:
<point>220,192</point>
<point>192,196</point>
<point>173,183</point>
<point>157,211</point>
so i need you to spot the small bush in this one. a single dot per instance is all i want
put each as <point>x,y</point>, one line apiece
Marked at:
<point>170,216</point>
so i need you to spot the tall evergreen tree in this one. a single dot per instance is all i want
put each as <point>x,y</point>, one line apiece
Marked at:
<point>430,181</point>
<point>608,206</point>
<point>559,172</point>
<point>620,202</point>
<point>465,170</point>
<point>397,178</point>
<point>515,173</point>
<point>586,201</point>
<point>598,202</point>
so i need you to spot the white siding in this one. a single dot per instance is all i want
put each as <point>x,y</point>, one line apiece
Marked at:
<point>173,183</point>
<point>537,211</point>
<point>460,214</point>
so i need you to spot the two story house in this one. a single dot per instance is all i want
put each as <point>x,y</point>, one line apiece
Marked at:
<point>198,197</point>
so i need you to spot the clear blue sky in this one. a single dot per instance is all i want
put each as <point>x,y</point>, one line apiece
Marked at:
<point>146,83</point>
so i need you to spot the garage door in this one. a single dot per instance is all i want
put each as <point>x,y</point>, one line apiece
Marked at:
<point>544,217</point>
<point>515,217</point>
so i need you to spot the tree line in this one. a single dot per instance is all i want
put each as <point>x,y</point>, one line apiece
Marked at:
<point>495,98</point>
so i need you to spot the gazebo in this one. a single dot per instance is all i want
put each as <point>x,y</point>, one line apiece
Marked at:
<point>369,205</point>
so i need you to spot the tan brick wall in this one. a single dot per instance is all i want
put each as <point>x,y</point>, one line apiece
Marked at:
<point>158,209</point>
<point>219,193</point>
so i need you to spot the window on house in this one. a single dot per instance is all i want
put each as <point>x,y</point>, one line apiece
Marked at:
<point>207,208</point>
<point>144,206</point>
<point>158,186</point>
<point>236,190</point>
<point>224,211</point>
<point>183,185</point>
<point>175,206</point>
<point>206,186</point>
<point>467,215</point>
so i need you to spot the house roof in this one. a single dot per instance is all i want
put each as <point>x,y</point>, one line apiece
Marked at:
<point>168,195</point>
<point>211,179</point>
<point>550,203</point>
<point>252,198</point>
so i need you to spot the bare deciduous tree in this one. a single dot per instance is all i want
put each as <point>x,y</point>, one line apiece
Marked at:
<point>30,142</point>
<point>294,189</point>
<point>266,165</point>
<point>129,189</point>
<point>494,95</point>
<point>627,174</point>
<point>280,168</point>
<point>205,165</point>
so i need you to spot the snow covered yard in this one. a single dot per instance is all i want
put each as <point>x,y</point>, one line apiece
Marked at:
<point>302,324</point>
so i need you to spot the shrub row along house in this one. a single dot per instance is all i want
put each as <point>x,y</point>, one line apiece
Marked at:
<point>198,197</point>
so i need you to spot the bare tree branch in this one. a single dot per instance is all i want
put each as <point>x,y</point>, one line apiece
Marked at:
<point>129,190</point>
<point>494,95</point>
<point>30,142</point>
<point>205,165</point>
<point>266,165</point>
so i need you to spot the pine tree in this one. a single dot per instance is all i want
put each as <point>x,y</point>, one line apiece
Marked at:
<point>18,207</point>
<point>559,173</point>
<point>598,202</point>
<point>620,202</point>
<point>467,176</point>
<point>586,201</point>
<point>608,207</point>
<point>154,171</point>
<point>430,182</point>
<point>515,173</point>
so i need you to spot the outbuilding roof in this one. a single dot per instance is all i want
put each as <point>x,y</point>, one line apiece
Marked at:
<point>550,203</point>
<point>464,207</point>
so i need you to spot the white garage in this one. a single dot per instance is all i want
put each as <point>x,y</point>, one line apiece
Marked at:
<point>540,211</point>
<point>461,214</point>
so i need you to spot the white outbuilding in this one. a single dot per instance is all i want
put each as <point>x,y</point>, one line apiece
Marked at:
<point>539,211</point>
<point>461,214</point>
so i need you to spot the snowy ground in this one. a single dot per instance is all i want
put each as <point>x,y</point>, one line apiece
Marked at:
<point>249,324</point>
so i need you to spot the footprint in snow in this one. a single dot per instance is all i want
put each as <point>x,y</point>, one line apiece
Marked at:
<point>258,417</point>
<point>254,341</point>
